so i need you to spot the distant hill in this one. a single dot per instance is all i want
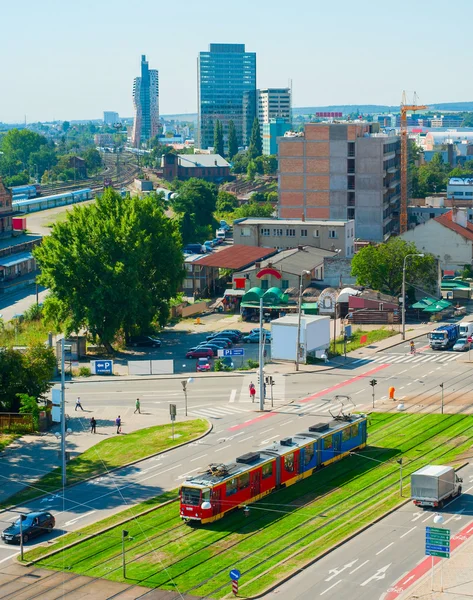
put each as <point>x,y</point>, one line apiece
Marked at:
<point>379,108</point>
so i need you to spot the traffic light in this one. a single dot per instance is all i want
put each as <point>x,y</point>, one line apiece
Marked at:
<point>373,382</point>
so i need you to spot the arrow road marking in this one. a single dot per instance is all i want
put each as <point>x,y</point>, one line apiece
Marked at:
<point>73,521</point>
<point>329,588</point>
<point>408,579</point>
<point>380,574</point>
<point>417,516</point>
<point>336,571</point>
<point>457,516</point>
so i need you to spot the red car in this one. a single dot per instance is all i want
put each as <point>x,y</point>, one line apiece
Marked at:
<point>202,364</point>
<point>200,353</point>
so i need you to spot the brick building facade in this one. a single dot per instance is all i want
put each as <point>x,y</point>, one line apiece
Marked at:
<point>6,212</point>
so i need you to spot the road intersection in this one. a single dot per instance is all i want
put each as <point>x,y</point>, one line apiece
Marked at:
<point>238,427</point>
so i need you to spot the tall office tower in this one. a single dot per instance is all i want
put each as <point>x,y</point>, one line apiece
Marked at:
<point>342,171</point>
<point>146,103</point>
<point>225,73</point>
<point>110,117</point>
<point>274,103</point>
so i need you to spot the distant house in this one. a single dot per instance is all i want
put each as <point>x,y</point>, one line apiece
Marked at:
<point>211,167</point>
<point>449,237</point>
<point>79,164</point>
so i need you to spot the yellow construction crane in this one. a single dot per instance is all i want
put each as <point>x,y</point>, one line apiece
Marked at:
<point>405,108</point>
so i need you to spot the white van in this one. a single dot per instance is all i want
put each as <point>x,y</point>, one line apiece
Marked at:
<point>466,329</point>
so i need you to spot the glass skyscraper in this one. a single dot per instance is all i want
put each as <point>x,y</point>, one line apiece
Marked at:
<point>146,103</point>
<point>225,73</point>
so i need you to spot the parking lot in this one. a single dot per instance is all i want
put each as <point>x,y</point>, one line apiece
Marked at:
<point>175,344</point>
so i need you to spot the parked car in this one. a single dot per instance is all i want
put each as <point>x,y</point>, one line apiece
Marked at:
<point>34,524</point>
<point>461,345</point>
<point>221,343</point>
<point>208,246</point>
<point>214,347</point>
<point>203,364</point>
<point>145,341</point>
<point>253,338</point>
<point>228,341</point>
<point>228,362</point>
<point>202,352</point>
<point>194,249</point>
<point>224,334</point>
<point>216,242</point>
<point>257,329</point>
<point>233,332</point>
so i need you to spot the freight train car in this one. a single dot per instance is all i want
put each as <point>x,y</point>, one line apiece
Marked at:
<point>223,487</point>
<point>37,204</point>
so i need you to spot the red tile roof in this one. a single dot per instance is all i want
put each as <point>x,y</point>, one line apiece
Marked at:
<point>237,256</point>
<point>447,221</point>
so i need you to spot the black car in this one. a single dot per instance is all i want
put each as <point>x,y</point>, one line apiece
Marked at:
<point>224,334</point>
<point>144,341</point>
<point>34,524</point>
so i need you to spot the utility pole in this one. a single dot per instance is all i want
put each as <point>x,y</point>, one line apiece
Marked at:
<point>400,473</point>
<point>63,412</point>
<point>124,535</point>
<point>261,356</point>
<point>441,406</point>
<point>373,383</point>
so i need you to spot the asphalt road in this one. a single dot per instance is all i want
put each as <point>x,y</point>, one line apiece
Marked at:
<point>367,566</point>
<point>238,428</point>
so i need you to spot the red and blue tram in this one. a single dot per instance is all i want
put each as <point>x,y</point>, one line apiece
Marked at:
<point>206,497</point>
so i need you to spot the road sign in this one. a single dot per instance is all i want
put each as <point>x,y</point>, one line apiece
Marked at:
<point>104,367</point>
<point>235,574</point>
<point>437,542</point>
<point>232,352</point>
<point>172,411</point>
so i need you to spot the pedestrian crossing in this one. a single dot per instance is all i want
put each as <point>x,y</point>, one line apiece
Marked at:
<point>218,412</point>
<point>418,358</point>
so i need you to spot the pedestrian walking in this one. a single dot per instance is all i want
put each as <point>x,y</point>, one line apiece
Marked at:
<point>137,407</point>
<point>118,423</point>
<point>252,391</point>
<point>78,404</point>
<point>93,425</point>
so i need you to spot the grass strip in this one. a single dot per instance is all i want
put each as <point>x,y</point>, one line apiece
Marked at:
<point>310,516</point>
<point>6,439</point>
<point>113,453</point>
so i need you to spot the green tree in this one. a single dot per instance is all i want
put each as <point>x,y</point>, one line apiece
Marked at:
<point>380,267</point>
<point>43,160</point>
<point>11,379</point>
<point>111,265</point>
<point>226,202</point>
<point>254,209</point>
<point>197,197</point>
<point>255,148</point>
<point>18,145</point>
<point>218,138</point>
<point>65,126</point>
<point>251,170</point>
<point>29,405</point>
<point>92,158</point>
<point>240,162</point>
<point>232,140</point>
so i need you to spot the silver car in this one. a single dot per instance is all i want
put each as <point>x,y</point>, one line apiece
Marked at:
<point>461,345</point>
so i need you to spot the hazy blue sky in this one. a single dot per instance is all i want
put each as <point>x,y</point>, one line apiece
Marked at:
<point>72,60</point>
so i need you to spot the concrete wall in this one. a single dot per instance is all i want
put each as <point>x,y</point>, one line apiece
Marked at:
<point>449,247</point>
<point>336,267</point>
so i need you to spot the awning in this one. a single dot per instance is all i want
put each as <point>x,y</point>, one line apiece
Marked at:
<point>234,292</point>
<point>438,306</point>
<point>424,303</point>
<point>253,295</point>
<point>15,259</point>
<point>269,306</point>
<point>275,296</point>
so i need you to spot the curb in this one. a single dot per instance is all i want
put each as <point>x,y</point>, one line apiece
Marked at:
<point>336,546</point>
<point>134,462</point>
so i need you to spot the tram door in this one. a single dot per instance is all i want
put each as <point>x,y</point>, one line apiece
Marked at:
<point>216,500</point>
<point>297,461</point>
<point>337,443</point>
<point>255,482</point>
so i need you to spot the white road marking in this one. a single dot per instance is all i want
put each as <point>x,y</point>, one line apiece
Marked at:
<point>359,566</point>
<point>268,440</point>
<point>407,532</point>
<point>198,457</point>
<point>401,372</point>
<point>408,579</point>
<point>233,395</point>
<point>426,519</point>
<point>457,516</point>
<point>331,587</point>
<point>184,475</point>
<point>266,430</point>
<point>336,572</point>
<point>223,448</point>
<point>73,521</point>
<point>246,439</point>
<point>286,423</point>
<point>9,557</point>
<point>358,392</point>
<point>380,574</point>
<point>385,548</point>
<point>154,475</point>
<point>417,515</point>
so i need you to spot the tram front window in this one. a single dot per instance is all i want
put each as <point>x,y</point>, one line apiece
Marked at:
<point>190,496</point>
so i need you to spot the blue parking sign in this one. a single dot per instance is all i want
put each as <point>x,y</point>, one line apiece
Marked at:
<point>104,367</point>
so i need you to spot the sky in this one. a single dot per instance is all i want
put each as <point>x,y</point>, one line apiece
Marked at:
<point>72,60</point>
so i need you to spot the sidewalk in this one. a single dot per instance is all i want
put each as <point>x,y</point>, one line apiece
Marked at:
<point>457,578</point>
<point>32,456</point>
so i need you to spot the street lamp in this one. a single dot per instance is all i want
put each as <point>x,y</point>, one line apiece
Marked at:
<point>441,406</point>
<point>438,520</point>
<point>298,346</point>
<point>124,535</point>
<point>404,293</point>
<point>185,383</point>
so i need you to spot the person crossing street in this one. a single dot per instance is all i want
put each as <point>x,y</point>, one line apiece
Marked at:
<point>137,407</point>
<point>118,423</point>
<point>78,404</point>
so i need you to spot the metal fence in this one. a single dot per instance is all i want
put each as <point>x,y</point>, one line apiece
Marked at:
<point>150,367</point>
<point>16,422</point>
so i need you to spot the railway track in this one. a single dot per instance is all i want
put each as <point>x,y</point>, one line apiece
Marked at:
<point>182,533</point>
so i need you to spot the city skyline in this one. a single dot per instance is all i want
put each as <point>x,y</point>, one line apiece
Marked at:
<point>344,55</point>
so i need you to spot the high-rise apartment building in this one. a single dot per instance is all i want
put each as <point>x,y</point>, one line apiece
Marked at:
<point>225,73</point>
<point>274,103</point>
<point>342,171</point>
<point>110,117</point>
<point>146,103</point>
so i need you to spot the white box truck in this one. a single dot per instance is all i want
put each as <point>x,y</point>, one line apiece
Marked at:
<point>314,336</point>
<point>433,485</point>
<point>466,329</point>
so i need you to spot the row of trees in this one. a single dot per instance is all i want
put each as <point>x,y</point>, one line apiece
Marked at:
<point>432,177</point>
<point>26,154</point>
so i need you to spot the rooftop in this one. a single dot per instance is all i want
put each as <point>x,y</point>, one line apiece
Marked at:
<point>237,256</point>
<point>202,160</point>
<point>287,222</point>
<point>295,260</point>
<point>447,221</point>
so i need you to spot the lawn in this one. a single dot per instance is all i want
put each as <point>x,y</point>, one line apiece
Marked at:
<point>112,453</point>
<point>6,439</point>
<point>25,333</point>
<point>375,335</point>
<point>284,530</point>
